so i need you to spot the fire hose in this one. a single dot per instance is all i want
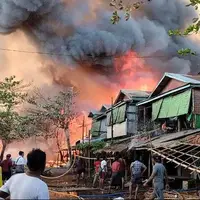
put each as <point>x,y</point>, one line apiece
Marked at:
<point>62,175</point>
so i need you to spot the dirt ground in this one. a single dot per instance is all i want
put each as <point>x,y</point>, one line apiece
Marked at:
<point>65,188</point>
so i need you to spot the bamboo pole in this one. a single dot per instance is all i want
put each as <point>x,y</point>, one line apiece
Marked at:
<point>174,158</point>
<point>181,164</point>
<point>193,154</point>
<point>83,129</point>
<point>112,131</point>
<point>182,154</point>
<point>190,144</point>
<point>182,161</point>
<point>181,149</point>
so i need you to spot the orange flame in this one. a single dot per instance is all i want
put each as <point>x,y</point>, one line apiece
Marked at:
<point>132,72</point>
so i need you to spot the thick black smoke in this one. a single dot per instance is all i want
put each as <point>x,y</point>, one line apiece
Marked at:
<point>82,29</point>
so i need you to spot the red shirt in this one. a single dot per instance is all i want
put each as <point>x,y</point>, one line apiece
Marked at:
<point>97,165</point>
<point>116,166</point>
<point>6,165</point>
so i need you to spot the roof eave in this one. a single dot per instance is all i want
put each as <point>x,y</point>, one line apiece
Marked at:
<point>167,93</point>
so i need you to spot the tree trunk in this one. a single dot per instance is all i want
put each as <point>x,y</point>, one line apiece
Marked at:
<point>3,150</point>
<point>68,142</point>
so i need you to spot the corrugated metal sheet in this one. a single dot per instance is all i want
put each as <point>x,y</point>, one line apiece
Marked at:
<point>115,148</point>
<point>128,94</point>
<point>173,137</point>
<point>118,146</point>
<point>179,77</point>
<point>184,78</point>
<point>134,93</point>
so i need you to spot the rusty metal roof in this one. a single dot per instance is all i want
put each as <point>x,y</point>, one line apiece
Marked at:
<point>131,94</point>
<point>179,77</point>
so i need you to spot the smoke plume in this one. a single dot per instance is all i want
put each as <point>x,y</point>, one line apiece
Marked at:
<point>80,31</point>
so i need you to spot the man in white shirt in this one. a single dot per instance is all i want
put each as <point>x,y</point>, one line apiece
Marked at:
<point>20,162</point>
<point>28,185</point>
<point>103,171</point>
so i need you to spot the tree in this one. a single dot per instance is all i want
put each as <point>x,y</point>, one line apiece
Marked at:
<point>191,29</point>
<point>49,115</point>
<point>119,5</point>
<point>12,95</point>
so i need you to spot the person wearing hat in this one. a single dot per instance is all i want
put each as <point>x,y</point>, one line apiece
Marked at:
<point>158,175</point>
<point>6,167</point>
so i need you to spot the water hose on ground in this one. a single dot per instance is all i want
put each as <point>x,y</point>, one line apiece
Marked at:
<point>62,175</point>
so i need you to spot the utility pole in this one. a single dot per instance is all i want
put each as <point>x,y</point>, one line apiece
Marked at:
<point>112,120</point>
<point>83,128</point>
<point>89,155</point>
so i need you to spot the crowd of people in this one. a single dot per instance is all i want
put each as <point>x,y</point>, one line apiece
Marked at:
<point>27,184</point>
<point>19,184</point>
<point>10,166</point>
<point>118,170</point>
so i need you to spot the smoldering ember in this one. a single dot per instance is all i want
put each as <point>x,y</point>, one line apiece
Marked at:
<point>100,99</point>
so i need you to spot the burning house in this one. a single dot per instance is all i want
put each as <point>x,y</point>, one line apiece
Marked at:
<point>170,122</point>
<point>121,119</point>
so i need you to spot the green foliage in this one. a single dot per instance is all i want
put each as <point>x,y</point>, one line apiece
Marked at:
<point>118,5</point>
<point>115,18</point>
<point>12,95</point>
<point>93,145</point>
<point>191,29</point>
<point>186,51</point>
<point>56,111</point>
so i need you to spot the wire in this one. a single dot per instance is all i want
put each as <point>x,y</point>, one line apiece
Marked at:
<point>59,54</point>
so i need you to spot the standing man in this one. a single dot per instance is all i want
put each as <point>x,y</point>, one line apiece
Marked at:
<point>122,170</point>
<point>103,171</point>
<point>115,178</point>
<point>28,185</point>
<point>137,169</point>
<point>20,163</point>
<point>158,175</point>
<point>80,169</point>
<point>6,168</point>
<point>97,166</point>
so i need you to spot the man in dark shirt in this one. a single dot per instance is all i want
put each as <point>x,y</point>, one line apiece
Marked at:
<point>6,167</point>
<point>80,169</point>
